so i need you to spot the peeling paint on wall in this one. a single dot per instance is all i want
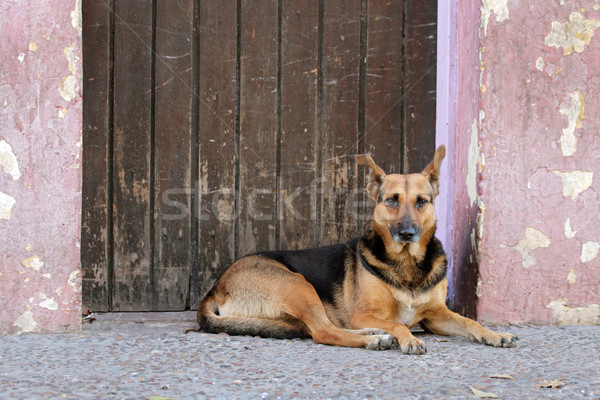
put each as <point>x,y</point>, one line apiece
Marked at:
<point>473,162</point>
<point>48,302</point>
<point>562,314</point>
<point>478,290</point>
<point>539,64</point>
<point>574,182</point>
<point>73,280</point>
<point>9,164</point>
<point>573,107</point>
<point>25,323</point>
<point>6,205</point>
<point>480,216</point>
<point>68,87</point>
<point>76,16</point>
<point>573,35</point>
<point>589,251</point>
<point>8,160</point>
<point>533,239</point>
<point>70,53</point>
<point>569,232</point>
<point>572,277</point>
<point>498,7</point>
<point>33,262</point>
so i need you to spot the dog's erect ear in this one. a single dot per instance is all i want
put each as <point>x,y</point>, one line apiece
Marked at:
<point>432,171</point>
<point>375,178</point>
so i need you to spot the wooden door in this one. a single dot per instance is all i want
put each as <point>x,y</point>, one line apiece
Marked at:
<point>215,129</point>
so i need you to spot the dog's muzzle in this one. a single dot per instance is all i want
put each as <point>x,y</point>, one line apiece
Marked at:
<point>405,234</point>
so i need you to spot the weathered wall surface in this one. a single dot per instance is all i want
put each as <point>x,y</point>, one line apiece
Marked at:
<point>538,151</point>
<point>463,272</point>
<point>40,174</point>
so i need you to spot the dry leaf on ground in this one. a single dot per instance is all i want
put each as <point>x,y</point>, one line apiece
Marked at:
<point>483,395</point>
<point>552,384</point>
<point>501,376</point>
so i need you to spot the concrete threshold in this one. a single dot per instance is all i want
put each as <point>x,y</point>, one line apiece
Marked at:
<point>139,321</point>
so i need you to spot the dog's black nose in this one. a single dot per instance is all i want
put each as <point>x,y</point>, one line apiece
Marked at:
<point>407,233</point>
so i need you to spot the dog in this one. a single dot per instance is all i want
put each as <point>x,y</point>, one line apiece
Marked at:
<point>366,293</point>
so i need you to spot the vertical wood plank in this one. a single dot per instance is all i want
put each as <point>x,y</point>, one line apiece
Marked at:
<point>420,74</point>
<point>340,110</point>
<point>132,161</point>
<point>383,97</point>
<point>172,154</point>
<point>258,125</point>
<point>96,129</point>
<point>217,104</point>
<point>299,124</point>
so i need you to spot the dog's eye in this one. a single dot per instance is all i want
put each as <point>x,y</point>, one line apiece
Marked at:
<point>422,203</point>
<point>391,201</point>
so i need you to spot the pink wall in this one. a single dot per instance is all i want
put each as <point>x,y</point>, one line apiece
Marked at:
<point>539,152</point>
<point>464,105</point>
<point>40,174</point>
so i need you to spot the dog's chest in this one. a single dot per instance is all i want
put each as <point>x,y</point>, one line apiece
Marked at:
<point>410,306</point>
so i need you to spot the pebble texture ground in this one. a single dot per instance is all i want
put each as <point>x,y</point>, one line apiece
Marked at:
<point>137,358</point>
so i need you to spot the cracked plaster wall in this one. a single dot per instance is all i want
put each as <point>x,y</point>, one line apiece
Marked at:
<point>539,138</point>
<point>40,174</point>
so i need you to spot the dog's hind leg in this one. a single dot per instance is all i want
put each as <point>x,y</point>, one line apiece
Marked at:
<point>243,302</point>
<point>210,321</point>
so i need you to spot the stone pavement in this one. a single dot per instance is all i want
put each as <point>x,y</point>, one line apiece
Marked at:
<point>147,356</point>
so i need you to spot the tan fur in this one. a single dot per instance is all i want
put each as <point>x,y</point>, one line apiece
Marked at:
<point>258,294</point>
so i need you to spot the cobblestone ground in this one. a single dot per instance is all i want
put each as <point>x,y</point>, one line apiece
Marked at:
<point>143,359</point>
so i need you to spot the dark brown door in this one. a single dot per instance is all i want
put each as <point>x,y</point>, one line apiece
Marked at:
<point>218,128</point>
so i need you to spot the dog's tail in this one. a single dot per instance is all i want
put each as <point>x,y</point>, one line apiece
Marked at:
<point>210,321</point>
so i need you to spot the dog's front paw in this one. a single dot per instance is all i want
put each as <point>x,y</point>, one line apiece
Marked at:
<point>382,342</point>
<point>499,339</point>
<point>412,345</point>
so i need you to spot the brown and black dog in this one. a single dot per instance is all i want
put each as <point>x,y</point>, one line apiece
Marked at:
<point>367,292</point>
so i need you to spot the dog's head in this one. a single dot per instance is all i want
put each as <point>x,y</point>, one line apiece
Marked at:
<point>404,209</point>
